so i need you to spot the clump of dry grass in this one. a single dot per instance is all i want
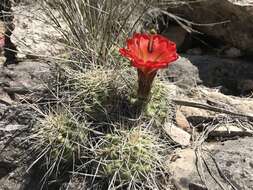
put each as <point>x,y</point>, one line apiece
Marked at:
<point>91,27</point>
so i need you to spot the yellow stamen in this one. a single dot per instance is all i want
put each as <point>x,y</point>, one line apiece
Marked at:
<point>151,45</point>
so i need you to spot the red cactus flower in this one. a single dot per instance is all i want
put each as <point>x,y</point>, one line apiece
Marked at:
<point>148,53</point>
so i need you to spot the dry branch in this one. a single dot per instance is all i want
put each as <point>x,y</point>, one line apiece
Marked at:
<point>211,108</point>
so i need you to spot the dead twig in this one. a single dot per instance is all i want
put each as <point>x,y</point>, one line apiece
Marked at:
<point>211,108</point>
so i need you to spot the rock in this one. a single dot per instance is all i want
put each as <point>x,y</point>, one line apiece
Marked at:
<point>243,105</point>
<point>5,98</point>
<point>194,51</point>
<point>190,111</point>
<point>26,77</point>
<point>212,97</point>
<point>229,131</point>
<point>232,52</point>
<point>183,73</point>
<point>232,75</point>
<point>242,2</point>
<point>14,179</point>
<point>175,33</point>
<point>30,70</point>
<point>13,158</point>
<point>182,121</point>
<point>234,21</point>
<point>177,134</point>
<point>246,106</point>
<point>196,116</point>
<point>15,155</point>
<point>232,157</point>
<point>246,86</point>
<point>235,161</point>
<point>182,168</point>
<point>35,36</point>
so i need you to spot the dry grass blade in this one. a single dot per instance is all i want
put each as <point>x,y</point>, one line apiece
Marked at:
<point>90,25</point>
<point>212,108</point>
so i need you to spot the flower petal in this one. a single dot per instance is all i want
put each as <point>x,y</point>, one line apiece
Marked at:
<point>150,51</point>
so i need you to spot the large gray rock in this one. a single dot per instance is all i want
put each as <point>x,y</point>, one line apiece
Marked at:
<point>26,77</point>
<point>236,162</point>
<point>234,76</point>
<point>183,73</point>
<point>234,20</point>
<point>233,166</point>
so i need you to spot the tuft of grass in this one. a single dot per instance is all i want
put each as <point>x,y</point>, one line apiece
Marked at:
<point>91,27</point>
<point>130,158</point>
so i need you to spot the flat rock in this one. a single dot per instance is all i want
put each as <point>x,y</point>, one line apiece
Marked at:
<point>233,157</point>
<point>181,121</point>
<point>239,104</point>
<point>177,134</point>
<point>236,161</point>
<point>183,170</point>
<point>37,37</point>
<point>195,112</point>
<point>230,131</point>
<point>27,76</point>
